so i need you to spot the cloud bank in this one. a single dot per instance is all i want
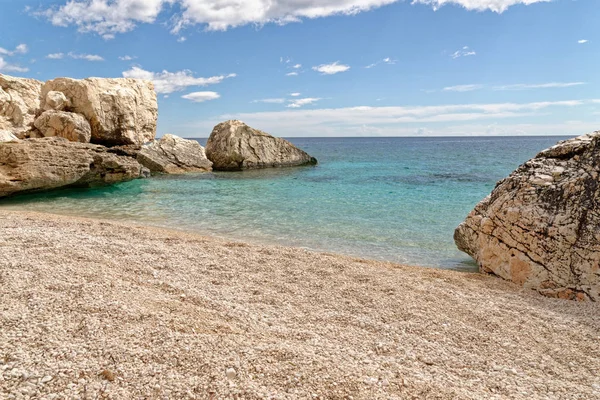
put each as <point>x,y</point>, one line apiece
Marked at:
<point>110,17</point>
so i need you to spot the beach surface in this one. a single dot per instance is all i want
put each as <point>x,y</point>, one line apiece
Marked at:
<point>95,309</point>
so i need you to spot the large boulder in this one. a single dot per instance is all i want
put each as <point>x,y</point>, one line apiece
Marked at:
<point>49,163</point>
<point>70,126</point>
<point>540,226</point>
<point>233,145</point>
<point>174,155</point>
<point>120,111</point>
<point>19,103</point>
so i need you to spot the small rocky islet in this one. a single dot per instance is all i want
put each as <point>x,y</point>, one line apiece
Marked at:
<point>538,228</point>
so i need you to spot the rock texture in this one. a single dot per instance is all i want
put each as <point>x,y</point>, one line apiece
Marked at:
<point>70,126</point>
<point>56,101</point>
<point>7,136</point>
<point>233,145</point>
<point>120,111</point>
<point>19,102</point>
<point>49,163</point>
<point>174,155</point>
<point>540,227</point>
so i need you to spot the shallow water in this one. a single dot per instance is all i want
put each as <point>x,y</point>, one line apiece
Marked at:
<point>396,199</point>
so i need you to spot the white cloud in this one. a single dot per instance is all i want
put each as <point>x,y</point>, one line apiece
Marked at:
<point>462,88</point>
<point>20,49</point>
<point>88,57</point>
<point>296,66</point>
<point>270,101</point>
<point>292,74</point>
<point>109,17</point>
<point>295,94</point>
<point>181,39</point>
<point>464,52</point>
<point>330,69</point>
<point>7,67</point>
<point>386,60</point>
<point>199,97</point>
<point>55,56</point>
<point>127,58</point>
<point>582,41</point>
<point>168,82</point>
<point>297,103</point>
<point>498,6</point>
<point>104,17</point>
<point>524,86</point>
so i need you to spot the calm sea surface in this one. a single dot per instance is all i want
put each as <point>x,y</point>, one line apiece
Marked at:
<point>395,199</point>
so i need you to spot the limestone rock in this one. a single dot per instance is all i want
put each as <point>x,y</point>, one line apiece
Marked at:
<point>120,111</point>
<point>56,101</point>
<point>68,125</point>
<point>540,226</point>
<point>19,102</point>
<point>174,155</point>
<point>233,145</point>
<point>7,136</point>
<point>49,163</point>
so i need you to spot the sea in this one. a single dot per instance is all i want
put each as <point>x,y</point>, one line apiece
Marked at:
<point>395,198</point>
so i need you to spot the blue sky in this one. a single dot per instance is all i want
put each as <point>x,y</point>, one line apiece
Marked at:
<point>328,67</point>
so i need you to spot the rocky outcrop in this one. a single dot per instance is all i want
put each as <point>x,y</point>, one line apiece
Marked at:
<point>120,111</point>
<point>70,126</point>
<point>540,226</point>
<point>49,163</point>
<point>174,155</point>
<point>19,103</point>
<point>108,112</point>
<point>233,145</point>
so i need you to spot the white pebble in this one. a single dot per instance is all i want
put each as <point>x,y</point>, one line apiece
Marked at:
<point>231,373</point>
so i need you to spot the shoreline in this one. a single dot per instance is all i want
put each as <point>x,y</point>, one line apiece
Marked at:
<point>96,307</point>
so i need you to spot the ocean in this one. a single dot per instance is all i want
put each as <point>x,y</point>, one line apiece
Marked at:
<point>396,199</point>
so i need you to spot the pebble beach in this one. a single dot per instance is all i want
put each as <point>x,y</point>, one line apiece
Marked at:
<point>96,309</point>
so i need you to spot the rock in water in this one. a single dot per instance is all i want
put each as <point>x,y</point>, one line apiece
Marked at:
<point>48,163</point>
<point>67,125</point>
<point>174,155</point>
<point>540,227</point>
<point>233,145</point>
<point>120,111</point>
<point>19,102</point>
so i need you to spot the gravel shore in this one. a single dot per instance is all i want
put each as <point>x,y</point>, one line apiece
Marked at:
<point>94,309</point>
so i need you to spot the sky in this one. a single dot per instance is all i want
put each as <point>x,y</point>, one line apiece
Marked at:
<point>298,68</point>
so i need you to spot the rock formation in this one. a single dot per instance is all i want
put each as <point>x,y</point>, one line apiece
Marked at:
<point>70,126</point>
<point>233,145</point>
<point>19,103</point>
<point>120,111</point>
<point>56,101</point>
<point>540,226</point>
<point>49,163</point>
<point>174,155</point>
<point>104,111</point>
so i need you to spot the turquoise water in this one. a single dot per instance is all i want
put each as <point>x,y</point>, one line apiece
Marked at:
<point>395,199</point>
